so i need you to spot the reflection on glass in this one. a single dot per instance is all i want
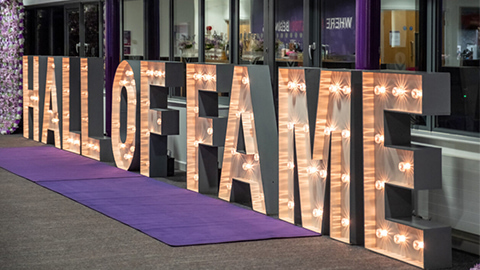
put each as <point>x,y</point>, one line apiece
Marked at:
<point>216,32</point>
<point>399,35</point>
<point>73,32</point>
<point>91,30</point>
<point>164,30</point>
<point>186,30</point>
<point>133,30</point>
<point>289,33</point>
<point>250,46</point>
<point>338,34</point>
<point>461,58</point>
<point>461,33</point>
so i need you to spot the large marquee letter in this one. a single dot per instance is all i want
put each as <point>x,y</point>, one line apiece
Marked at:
<point>299,90</point>
<point>250,153</point>
<point>394,168</point>
<point>125,116</point>
<point>157,121</point>
<point>94,144</point>
<point>31,99</point>
<point>51,118</point>
<point>205,126</point>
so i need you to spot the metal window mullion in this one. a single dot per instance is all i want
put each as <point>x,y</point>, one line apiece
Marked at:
<point>201,31</point>
<point>171,29</point>
<point>234,31</point>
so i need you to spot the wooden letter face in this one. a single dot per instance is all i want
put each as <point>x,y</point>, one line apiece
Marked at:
<point>123,145</point>
<point>31,99</point>
<point>295,152</point>
<point>71,140</point>
<point>394,167</point>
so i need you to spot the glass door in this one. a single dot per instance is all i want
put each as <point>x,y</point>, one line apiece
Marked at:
<point>84,29</point>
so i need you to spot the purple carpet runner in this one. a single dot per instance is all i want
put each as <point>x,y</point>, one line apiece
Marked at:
<point>175,216</point>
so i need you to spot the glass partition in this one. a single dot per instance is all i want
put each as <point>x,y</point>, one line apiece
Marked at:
<point>133,30</point>
<point>289,33</point>
<point>251,32</point>
<point>217,31</point>
<point>186,30</point>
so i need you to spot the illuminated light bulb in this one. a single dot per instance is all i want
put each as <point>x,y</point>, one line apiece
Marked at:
<point>256,157</point>
<point>290,125</point>
<point>238,114</point>
<point>302,87</point>
<point>379,138</point>
<point>195,110</point>
<point>85,93</point>
<point>209,131</point>
<point>147,133</point>
<point>380,90</point>
<point>66,66</point>
<point>147,103</point>
<point>196,143</point>
<point>128,73</point>
<point>290,204</point>
<point>345,222</point>
<point>133,129</point>
<point>417,245</point>
<point>122,82</point>
<point>346,90</point>
<point>345,133</point>
<point>122,145</point>
<point>245,80</point>
<point>132,82</point>
<point>345,178</point>
<point>334,88</point>
<point>327,131</point>
<point>397,91</point>
<point>247,166</point>
<point>379,184</point>
<point>290,165</point>
<point>195,177</point>
<point>381,233</point>
<point>323,173</point>
<point>161,74</point>
<point>85,68</point>
<point>70,140</point>
<point>66,91</point>
<point>90,145</point>
<point>95,148</point>
<point>149,73</point>
<point>404,166</point>
<point>292,85</point>
<point>398,238</point>
<point>416,94</point>
<point>53,65</point>
<point>233,151</point>
<point>156,73</point>
<point>317,212</point>
<point>197,76</point>
<point>132,148</point>
<point>312,170</point>
<point>85,119</point>
<point>127,156</point>
<point>76,142</point>
<point>306,128</point>
<point>159,121</point>
<point>208,77</point>
<point>229,186</point>
<point>55,120</point>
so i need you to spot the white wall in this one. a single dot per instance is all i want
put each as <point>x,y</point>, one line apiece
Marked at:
<point>458,202</point>
<point>216,12</point>
<point>133,22</point>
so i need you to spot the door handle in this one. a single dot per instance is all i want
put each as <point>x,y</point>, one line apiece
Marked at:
<point>311,48</point>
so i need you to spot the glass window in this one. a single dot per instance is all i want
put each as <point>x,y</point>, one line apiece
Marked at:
<point>133,29</point>
<point>251,32</point>
<point>399,35</point>
<point>461,58</point>
<point>92,45</point>
<point>164,30</point>
<point>186,30</point>
<point>289,33</point>
<point>217,30</point>
<point>338,34</point>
